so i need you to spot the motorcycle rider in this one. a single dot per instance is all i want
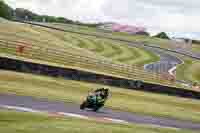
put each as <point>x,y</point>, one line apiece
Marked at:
<point>102,94</point>
<point>99,95</point>
<point>96,99</point>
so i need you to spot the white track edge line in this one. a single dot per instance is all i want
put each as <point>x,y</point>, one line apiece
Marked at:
<point>73,115</point>
<point>116,120</point>
<point>20,108</point>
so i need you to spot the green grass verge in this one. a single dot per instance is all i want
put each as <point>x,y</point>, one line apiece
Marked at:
<point>15,122</point>
<point>195,71</point>
<point>196,48</point>
<point>180,72</point>
<point>190,70</point>
<point>122,99</point>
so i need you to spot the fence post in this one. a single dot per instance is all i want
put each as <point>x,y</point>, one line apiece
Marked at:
<point>133,70</point>
<point>129,71</point>
<point>20,50</point>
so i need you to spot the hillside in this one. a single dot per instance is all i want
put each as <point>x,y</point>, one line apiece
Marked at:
<point>73,51</point>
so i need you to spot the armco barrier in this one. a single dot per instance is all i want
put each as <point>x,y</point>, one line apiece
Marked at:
<point>72,74</point>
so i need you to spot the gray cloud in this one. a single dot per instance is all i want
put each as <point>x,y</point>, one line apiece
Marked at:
<point>168,15</point>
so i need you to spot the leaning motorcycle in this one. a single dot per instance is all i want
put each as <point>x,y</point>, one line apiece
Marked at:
<point>96,99</point>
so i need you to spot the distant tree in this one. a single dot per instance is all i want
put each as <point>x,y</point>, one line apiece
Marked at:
<point>162,35</point>
<point>143,33</point>
<point>196,41</point>
<point>5,10</point>
<point>25,14</point>
<point>37,18</point>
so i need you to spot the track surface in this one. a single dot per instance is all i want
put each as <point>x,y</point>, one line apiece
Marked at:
<point>167,61</point>
<point>49,106</point>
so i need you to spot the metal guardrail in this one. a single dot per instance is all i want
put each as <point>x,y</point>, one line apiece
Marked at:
<point>64,57</point>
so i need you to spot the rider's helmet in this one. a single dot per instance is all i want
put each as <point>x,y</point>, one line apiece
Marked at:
<point>106,92</point>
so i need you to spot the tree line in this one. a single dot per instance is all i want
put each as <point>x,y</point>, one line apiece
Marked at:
<point>23,14</point>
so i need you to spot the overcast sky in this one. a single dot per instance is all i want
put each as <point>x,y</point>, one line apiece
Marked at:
<point>179,16</point>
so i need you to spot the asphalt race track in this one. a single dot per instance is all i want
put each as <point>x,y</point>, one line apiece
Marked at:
<point>28,103</point>
<point>166,62</point>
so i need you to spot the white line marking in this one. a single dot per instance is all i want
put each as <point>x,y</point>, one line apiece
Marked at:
<point>116,120</point>
<point>171,71</point>
<point>20,108</point>
<point>61,113</point>
<point>166,127</point>
<point>73,115</point>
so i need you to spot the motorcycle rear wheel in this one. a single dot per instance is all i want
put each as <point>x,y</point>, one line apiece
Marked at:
<point>83,106</point>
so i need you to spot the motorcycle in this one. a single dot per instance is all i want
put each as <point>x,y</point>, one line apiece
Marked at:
<point>95,99</point>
